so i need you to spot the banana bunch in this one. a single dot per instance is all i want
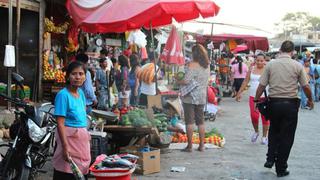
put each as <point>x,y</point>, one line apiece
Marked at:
<point>50,27</point>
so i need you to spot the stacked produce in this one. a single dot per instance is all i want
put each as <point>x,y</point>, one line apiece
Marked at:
<point>60,76</point>
<point>161,122</point>
<point>136,118</point>
<point>50,72</point>
<point>212,137</point>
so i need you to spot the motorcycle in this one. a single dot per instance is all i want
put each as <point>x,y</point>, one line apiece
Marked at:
<point>33,138</point>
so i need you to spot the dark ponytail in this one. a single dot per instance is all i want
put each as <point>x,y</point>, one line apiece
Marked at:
<point>239,59</point>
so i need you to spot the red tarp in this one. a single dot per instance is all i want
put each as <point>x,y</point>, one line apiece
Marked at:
<point>124,15</point>
<point>253,42</point>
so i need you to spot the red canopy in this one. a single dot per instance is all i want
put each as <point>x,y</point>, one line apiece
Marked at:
<point>124,15</point>
<point>172,52</point>
<point>253,42</point>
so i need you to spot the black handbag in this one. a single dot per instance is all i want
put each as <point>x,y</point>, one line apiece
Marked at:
<point>263,106</point>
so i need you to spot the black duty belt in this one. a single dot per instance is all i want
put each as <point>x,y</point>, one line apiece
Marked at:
<point>284,99</point>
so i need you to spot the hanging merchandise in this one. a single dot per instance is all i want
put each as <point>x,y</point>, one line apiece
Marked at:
<point>162,38</point>
<point>222,46</point>
<point>133,48</point>
<point>46,41</point>
<point>51,58</point>
<point>144,54</point>
<point>73,44</point>
<point>137,37</point>
<point>232,44</point>
<point>51,27</point>
<point>9,58</point>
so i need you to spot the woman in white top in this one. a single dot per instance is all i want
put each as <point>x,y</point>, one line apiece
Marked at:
<point>253,77</point>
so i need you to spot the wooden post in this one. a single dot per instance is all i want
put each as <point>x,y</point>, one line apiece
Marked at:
<point>17,34</point>
<point>155,59</point>
<point>42,10</point>
<point>9,70</point>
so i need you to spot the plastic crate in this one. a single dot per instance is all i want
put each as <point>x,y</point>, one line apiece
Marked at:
<point>98,146</point>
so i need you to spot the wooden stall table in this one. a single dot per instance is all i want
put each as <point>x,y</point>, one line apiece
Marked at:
<point>126,135</point>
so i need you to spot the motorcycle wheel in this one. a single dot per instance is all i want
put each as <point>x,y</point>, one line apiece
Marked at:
<point>11,173</point>
<point>6,154</point>
<point>18,174</point>
<point>24,173</point>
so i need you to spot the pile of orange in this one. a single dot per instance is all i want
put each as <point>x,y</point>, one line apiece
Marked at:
<point>182,138</point>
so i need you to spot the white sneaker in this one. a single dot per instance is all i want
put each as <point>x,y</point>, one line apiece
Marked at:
<point>264,140</point>
<point>254,137</point>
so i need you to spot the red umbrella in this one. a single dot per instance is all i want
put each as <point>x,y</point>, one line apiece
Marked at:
<point>240,47</point>
<point>124,15</point>
<point>172,52</point>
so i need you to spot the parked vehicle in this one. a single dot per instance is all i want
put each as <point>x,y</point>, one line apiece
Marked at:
<point>32,133</point>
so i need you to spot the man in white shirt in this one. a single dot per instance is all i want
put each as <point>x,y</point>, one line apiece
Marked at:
<point>148,89</point>
<point>104,53</point>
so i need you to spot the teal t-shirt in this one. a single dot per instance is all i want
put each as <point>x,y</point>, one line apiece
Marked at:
<point>72,108</point>
<point>174,120</point>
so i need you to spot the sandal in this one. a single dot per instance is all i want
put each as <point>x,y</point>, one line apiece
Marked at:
<point>186,149</point>
<point>201,149</point>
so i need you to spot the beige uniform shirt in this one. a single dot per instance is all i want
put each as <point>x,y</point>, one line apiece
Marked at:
<point>283,75</point>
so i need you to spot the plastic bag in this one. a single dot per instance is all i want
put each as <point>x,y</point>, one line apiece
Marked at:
<point>75,170</point>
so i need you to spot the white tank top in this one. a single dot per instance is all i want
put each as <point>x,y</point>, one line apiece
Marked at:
<point>254,83</point>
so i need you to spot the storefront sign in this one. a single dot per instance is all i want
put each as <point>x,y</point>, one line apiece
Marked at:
<point>113,42</point>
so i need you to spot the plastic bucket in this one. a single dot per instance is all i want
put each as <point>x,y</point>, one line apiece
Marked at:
<point>112,174</point>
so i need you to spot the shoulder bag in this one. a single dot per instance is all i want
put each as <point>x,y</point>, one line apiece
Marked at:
<point>264,107</point>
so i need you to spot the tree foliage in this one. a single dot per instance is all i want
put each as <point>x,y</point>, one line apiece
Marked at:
<point>298,22</point>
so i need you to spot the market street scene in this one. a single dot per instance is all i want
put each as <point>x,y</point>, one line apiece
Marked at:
<point>159,89</point>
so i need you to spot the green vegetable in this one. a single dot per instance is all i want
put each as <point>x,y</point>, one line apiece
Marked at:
<point>180,75</point>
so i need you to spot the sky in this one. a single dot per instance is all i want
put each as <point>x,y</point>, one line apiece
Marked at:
<point>262,14</point>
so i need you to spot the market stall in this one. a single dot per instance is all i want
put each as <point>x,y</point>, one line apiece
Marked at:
<point>232,41</point>
<point>108,17</point>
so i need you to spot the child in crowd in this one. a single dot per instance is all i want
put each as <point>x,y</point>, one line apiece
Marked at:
<point>173,110</point>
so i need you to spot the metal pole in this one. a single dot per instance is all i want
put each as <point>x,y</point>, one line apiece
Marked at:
<point>9,71</point>
<point>155,59</point>
<point>211,53</point>
<point>17,35</point>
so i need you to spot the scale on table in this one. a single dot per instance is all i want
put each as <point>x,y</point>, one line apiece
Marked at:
<point>103,117</point>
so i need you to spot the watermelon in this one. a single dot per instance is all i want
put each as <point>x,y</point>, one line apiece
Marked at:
<point>180,75</point>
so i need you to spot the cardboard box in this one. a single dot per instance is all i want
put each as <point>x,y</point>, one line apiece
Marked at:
<point>148,162</point>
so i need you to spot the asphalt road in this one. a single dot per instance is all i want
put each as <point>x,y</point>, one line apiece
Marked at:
<point>241,159</point>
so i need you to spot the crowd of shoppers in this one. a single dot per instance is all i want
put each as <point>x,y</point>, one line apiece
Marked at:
<point>117,78</point>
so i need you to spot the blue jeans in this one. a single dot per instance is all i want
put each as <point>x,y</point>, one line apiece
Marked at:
<point>317,90</point>
<point>304,97</point>
<point>312,85</point>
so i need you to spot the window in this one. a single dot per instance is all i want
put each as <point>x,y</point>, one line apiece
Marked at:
<point>310,36</point>
<point>318,36</point>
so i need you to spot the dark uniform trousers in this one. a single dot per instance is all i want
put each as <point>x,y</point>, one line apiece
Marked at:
<point>283,123</point>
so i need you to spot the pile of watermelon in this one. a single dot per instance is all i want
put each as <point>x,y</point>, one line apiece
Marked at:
<point>136,118</point>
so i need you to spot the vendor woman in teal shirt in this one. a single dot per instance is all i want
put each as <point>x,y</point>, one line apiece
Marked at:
<point>72,137</point>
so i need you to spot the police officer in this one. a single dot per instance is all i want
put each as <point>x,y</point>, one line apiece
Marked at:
<point>282,75</point>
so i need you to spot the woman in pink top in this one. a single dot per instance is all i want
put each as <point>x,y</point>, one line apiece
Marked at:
<point>252,78</point>
<point>239,72</point>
